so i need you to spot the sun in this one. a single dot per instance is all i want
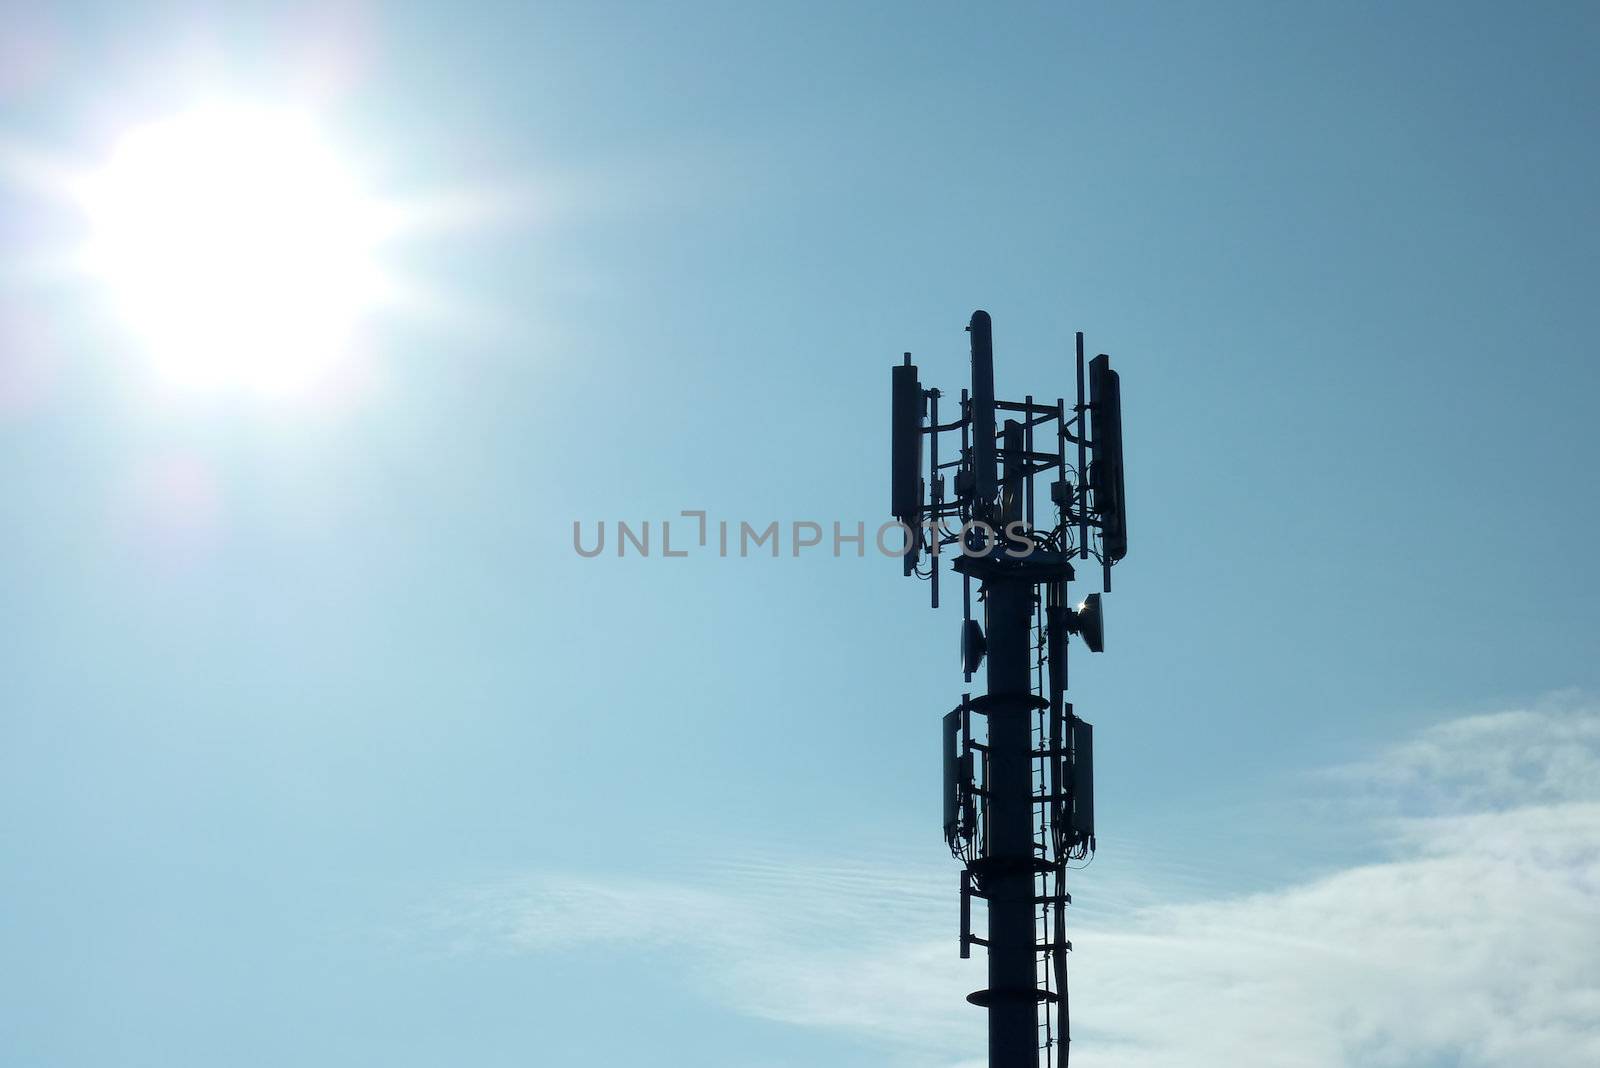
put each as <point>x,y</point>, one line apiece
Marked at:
<point>238,247</point>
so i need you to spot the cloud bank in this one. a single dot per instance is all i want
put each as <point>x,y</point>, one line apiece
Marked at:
<point>1474,941</point>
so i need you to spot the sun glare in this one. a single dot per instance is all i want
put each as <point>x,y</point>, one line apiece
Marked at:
<point>237,246</point>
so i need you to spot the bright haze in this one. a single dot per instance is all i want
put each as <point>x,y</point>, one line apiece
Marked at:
<point>235,245</point>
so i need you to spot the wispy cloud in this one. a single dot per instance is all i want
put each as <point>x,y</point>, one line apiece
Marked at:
<point>1473,941</point>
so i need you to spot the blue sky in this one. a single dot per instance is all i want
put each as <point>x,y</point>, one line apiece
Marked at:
<point>355,761</point>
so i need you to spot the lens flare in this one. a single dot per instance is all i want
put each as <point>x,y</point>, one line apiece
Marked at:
<point>237,246</point>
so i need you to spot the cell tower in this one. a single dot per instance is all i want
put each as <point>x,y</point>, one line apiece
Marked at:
<point>1018,763</point>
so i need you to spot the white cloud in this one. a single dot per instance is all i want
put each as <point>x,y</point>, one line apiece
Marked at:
<point>1474,941</point>
<point>1547,754</point>
<point>1476,947</point>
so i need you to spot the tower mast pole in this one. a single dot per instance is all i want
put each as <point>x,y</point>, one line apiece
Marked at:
<point>1009,875</point>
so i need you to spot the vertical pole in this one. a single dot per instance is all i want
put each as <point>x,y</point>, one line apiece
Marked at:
<point>966,509</point>
<point>1027,443</point>
<point>1058,955</point>
<point>1013,1005</point>
<point>982,414</point>
<point>1057,652</point>
<point>1083,461</point>
<point>933,487</point>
